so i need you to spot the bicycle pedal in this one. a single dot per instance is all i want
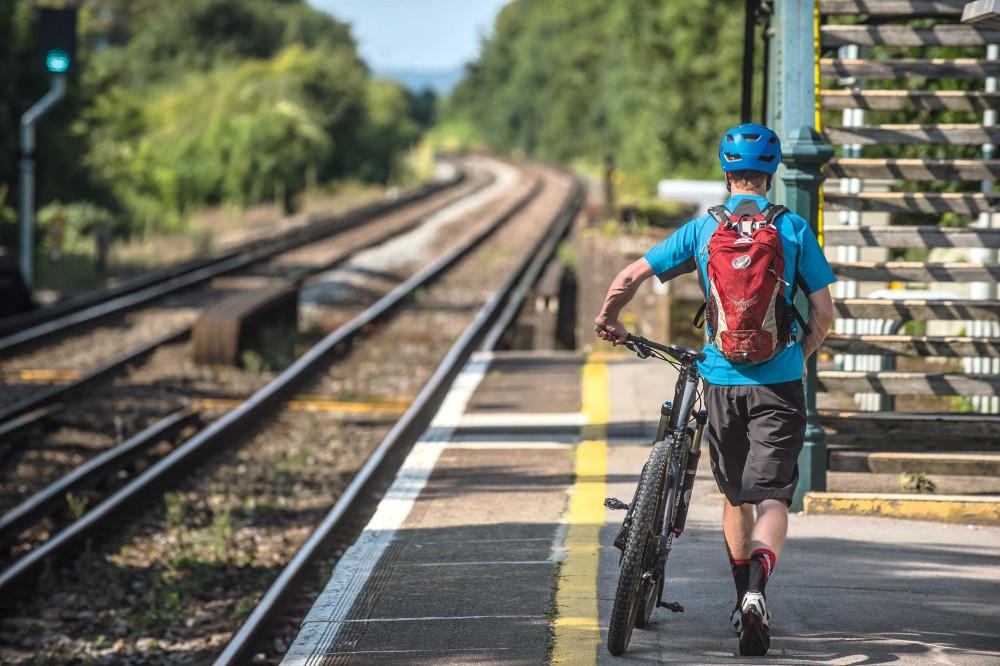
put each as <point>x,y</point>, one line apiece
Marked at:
<point>615,504</point>
<point>670,606</point>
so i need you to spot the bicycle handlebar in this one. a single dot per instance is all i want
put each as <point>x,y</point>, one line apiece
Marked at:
<point>682,354</point>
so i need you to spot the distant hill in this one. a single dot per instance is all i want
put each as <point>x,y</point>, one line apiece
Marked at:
<point>440,81</point>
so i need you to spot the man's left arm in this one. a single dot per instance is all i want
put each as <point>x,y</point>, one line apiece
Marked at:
<point>820,318</point>
<point>818,276</point>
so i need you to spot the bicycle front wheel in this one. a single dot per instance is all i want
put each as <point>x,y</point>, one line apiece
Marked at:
<point>642,541</point>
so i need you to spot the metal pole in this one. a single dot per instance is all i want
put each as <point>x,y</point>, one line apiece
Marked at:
<point>766,69</point>
<point>27,165</point>
<point>749,25</point>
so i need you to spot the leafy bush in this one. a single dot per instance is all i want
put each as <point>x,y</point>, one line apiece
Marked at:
<point>79,220</point>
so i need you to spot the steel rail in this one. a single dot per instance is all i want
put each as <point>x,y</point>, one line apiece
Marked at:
<point>52,497</point>
<point>218,435</point>
<point>52,394</point>
<point>146,289</point>
<point>561,224</point>
<point>486,329</point>
<point>26,420</point>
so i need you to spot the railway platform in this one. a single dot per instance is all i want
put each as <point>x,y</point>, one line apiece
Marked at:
<point>492,546</point>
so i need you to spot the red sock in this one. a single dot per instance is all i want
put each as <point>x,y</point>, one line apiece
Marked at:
<point>762,563</point>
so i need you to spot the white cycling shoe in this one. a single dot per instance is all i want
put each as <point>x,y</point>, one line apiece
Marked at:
<point>754,629</point>
<point>736,619</point>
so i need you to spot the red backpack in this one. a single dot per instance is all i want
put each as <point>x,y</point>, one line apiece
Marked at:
<point>748,312</point>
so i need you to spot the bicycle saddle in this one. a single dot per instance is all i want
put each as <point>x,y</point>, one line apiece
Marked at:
<point>677,351</point>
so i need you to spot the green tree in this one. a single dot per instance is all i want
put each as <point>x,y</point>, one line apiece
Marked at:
<point>389,129</point>
<point>673,84</point>
<point>654,82</point>
<point>175,105</point>
<point>536,87</point>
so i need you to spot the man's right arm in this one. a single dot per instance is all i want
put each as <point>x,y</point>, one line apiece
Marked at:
<point>622,290</point>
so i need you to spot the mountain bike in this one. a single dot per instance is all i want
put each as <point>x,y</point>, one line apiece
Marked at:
<point>658,511</point>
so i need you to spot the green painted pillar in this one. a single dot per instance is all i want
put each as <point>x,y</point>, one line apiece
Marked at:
<point>792,73</point>
<point>792,114</point>
<point>804,154</point>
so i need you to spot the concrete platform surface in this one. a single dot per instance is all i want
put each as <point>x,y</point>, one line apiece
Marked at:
<point>493,547</point>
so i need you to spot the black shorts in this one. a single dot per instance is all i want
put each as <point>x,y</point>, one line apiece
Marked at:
<point>755,434</point>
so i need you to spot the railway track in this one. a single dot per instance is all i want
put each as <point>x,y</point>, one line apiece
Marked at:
<point>97,413</point>
<point>142,396</point>
<point>86,376</point>
<point>125,321</point>
<point>51,319</point>
<point>293,458</point>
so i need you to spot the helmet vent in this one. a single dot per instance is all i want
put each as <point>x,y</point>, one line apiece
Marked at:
<point>751,137</point>
<point>767,158</point>
<point>773,139</point>
<point>729,138</point>
<point>731,158</point>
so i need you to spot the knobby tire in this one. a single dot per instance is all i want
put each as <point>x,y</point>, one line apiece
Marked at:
<point>641,532</point>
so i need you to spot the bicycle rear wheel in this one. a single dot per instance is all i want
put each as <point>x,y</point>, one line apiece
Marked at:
<point>641,542</point>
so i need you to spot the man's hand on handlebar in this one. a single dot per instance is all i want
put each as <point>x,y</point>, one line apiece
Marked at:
<point>611,330</point>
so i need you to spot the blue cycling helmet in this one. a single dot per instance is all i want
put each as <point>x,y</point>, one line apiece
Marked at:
<point>750,146</point>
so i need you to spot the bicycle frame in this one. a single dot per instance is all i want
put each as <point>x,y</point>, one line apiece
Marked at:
<point>676,452</point>
<point>685,449</point>
<point>675,425</point>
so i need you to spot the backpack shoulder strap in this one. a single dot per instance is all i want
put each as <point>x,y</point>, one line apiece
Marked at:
<point>772,211</point>
<point>770,214</point>
<point>720,213</point>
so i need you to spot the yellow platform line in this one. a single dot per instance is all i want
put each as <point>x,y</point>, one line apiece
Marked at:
<point>577,627</point>
<point>982,510</point>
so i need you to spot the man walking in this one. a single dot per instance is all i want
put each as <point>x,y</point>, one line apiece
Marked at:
<point>751,258</point>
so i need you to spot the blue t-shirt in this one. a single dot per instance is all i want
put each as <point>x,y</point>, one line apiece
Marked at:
<point>686,250</point>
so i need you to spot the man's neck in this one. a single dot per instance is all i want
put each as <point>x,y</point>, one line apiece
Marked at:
<point>755,192</point>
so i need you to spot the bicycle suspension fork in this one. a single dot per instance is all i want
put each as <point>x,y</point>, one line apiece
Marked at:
<point>690,469</point>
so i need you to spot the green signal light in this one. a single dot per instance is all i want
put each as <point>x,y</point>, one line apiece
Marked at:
<point>57,61</point>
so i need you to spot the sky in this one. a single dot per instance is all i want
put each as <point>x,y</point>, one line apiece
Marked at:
<point>416,34</point>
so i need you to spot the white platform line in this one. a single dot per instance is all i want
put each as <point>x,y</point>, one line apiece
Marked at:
<point>434,618</point>
<point>354,569</point>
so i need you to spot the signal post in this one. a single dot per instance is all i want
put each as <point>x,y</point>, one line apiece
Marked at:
<point>57,48</point>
